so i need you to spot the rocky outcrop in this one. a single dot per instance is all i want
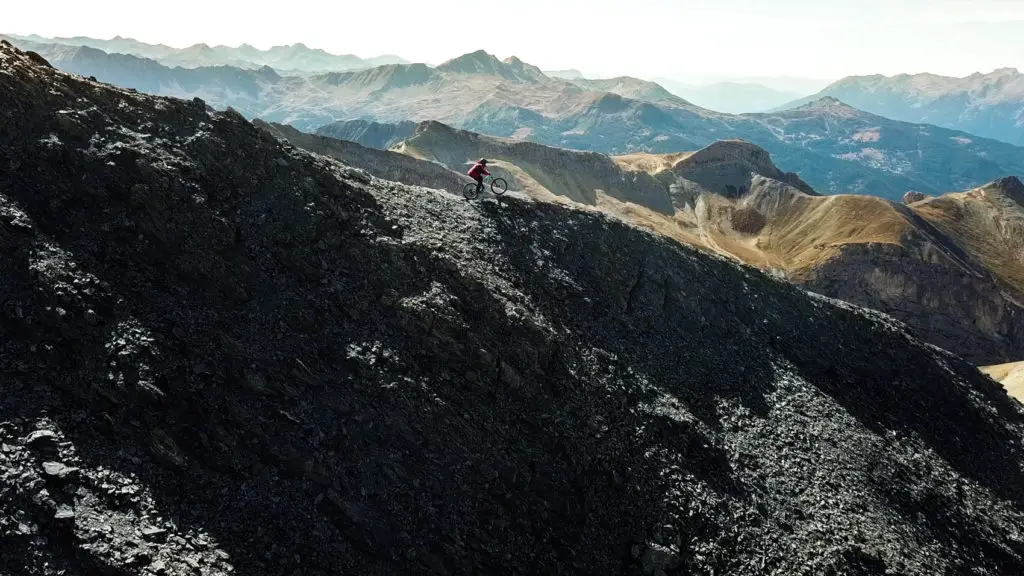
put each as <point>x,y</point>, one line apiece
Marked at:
<point>728,167</point>
<point>482,63</point>
<point>222,354</point>
<point>938,298</point>
<point>913,196</point>
<point>1010,188</point>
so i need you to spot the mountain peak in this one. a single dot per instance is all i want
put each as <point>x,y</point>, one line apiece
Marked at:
<point>268,72</point>
<point>522,67</point>
<point>1010,187</point>
<point>827,101</point>
<point>201,48</point>
<point>1008,71</point>
<point>727,167</point>
<point>483,63</point>
<point>471,61</point>
<point>477,56</point>
<point>829,105</point>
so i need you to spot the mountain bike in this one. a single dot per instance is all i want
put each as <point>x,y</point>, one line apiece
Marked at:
<point>498,187</point>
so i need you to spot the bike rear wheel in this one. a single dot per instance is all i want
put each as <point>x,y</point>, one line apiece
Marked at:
<point>470,191</point>
<point>499,186</point>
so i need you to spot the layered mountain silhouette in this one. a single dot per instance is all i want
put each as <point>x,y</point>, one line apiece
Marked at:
<point>732,97</point>
<point>379,135</point>
<point>294,58</point>
<point>948,266</point>
<point>223,354</point>
<point>989,105</point>
<point>836,148</point>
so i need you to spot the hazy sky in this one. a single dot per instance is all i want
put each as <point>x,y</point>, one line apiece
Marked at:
<point>649,38</point>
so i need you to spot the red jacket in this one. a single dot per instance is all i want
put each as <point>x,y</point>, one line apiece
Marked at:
<point>477,170</point>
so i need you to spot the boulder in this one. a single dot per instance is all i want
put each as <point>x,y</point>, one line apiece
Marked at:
<point>913,196</point>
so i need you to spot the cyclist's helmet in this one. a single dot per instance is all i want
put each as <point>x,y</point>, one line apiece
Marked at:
<point>483,161</point>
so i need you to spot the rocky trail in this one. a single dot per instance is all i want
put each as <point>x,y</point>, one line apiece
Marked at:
<point>221,354</point>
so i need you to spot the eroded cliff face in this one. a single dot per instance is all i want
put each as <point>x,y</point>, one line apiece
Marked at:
<point>226,355</point>
<point>940,300</point>
<point>954,286</point>
<point>729,167</point>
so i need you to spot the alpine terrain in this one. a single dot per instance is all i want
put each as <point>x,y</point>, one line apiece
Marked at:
<point>223,354</point>
<point>836,148</point>
<point>948,266</point>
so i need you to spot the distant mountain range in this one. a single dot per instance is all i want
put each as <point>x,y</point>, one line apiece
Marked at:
<point>787,84</point>
<point>989,105</point>
<point>732,97</point>
<point>292,59</point>
<point>835,147</point>
<point>570,74</point>
<point>949,266</point>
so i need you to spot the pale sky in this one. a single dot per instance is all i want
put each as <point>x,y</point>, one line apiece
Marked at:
<point>646,38</point>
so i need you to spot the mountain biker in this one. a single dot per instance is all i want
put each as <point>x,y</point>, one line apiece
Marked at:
<point>477,172</point>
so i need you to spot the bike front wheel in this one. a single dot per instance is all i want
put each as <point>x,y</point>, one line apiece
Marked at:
<point>499,186</point>
<point>470,191</point>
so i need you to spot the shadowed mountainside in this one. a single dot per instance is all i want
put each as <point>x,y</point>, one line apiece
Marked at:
<point>226,355</point>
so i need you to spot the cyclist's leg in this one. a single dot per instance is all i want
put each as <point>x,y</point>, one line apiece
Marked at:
<point>479,184</point>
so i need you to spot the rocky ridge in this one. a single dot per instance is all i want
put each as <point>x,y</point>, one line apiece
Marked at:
<point>380,163</point>
<point>948,267</point>
<point>227,355</point>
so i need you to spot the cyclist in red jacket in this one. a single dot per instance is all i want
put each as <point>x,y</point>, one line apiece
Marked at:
<point>477,172</point>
